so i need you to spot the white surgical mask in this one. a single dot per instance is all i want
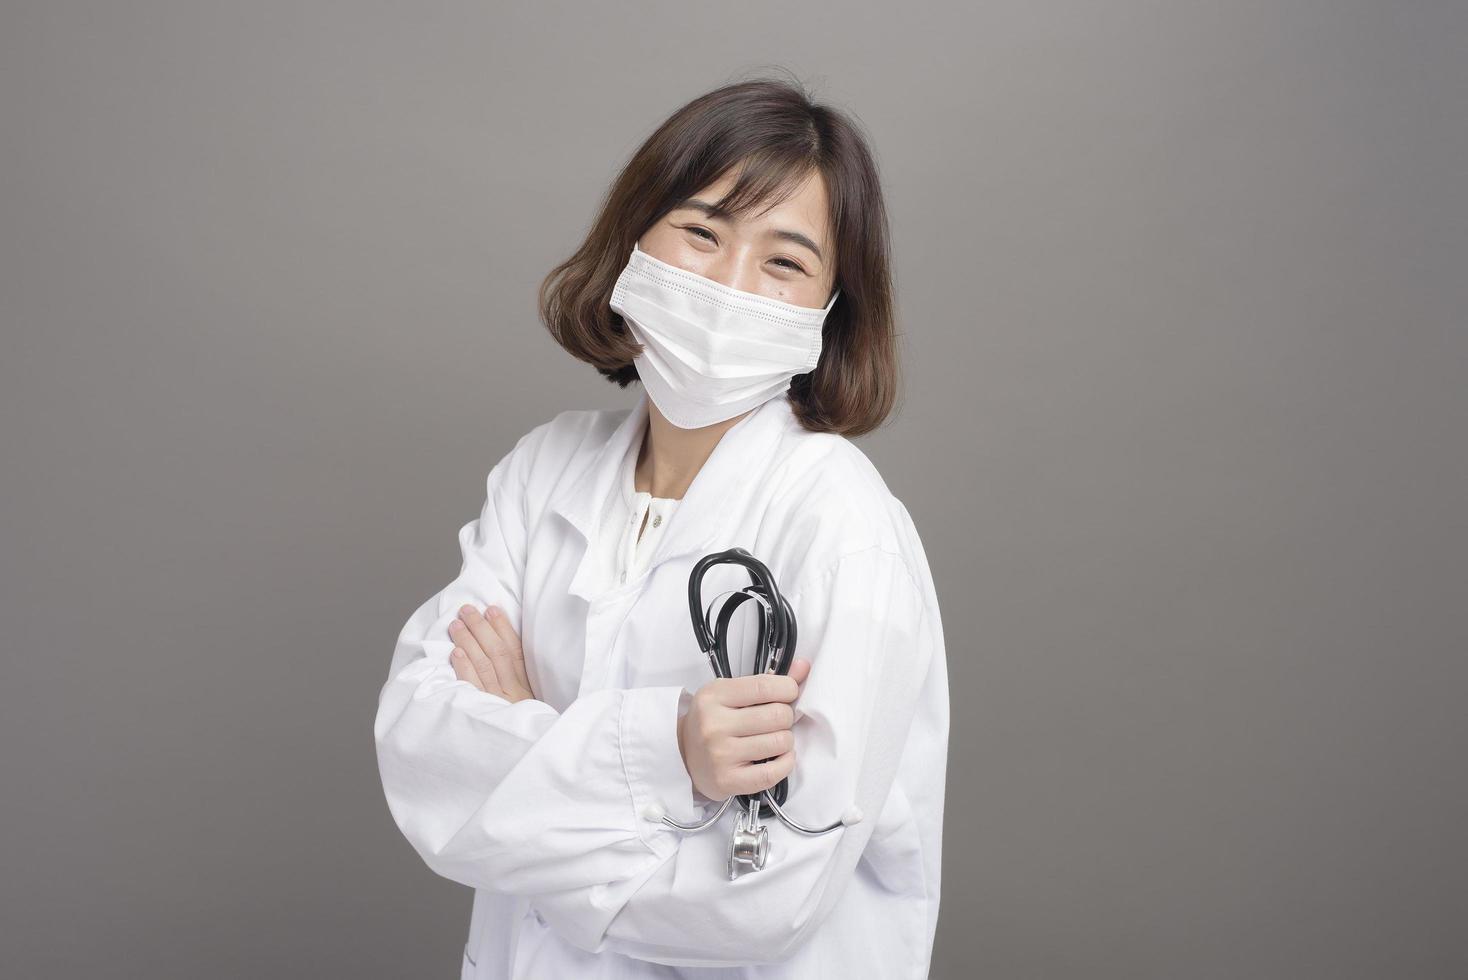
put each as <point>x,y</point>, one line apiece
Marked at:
<point>711,352</point>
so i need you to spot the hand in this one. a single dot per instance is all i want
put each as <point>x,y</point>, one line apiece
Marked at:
<point>487,653</point>
<point>736,721</point>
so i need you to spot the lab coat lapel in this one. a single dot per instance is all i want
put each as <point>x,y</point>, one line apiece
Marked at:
<point>703,514</point>
<point>581,497</point>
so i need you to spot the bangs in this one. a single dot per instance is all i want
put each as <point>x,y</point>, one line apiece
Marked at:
<point>766,177</point>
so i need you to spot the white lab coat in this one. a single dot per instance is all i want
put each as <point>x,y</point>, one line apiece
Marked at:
<point>549,807</point>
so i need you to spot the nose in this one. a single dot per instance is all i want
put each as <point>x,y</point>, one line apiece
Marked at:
<point>733,268</point>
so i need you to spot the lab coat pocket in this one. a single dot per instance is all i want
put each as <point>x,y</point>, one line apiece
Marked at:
<point>656,646</point>
<point>690,670</point>
<point>893,855</point>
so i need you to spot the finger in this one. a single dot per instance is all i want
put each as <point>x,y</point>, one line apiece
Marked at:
<point>738,692</point>
<point>483,633</point>
<point>763,775</point>
<point>495,616</point>
<point>754,748</point>
<point>470,644</point>
<point>508,655</point>
<point>463,669</point>
<point>757,719</point>
<point>508,673</point>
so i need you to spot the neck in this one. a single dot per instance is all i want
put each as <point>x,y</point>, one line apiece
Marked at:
<point>671,457</point>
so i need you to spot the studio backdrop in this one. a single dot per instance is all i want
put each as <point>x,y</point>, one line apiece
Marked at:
<point>1181,303</point>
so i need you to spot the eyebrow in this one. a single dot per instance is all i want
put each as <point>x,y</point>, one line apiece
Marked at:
<point>714,211</point>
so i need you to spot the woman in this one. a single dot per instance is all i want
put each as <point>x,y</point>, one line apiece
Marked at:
<point>549,712</point>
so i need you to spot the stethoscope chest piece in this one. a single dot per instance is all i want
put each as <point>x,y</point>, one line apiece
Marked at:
<point>750,844</point>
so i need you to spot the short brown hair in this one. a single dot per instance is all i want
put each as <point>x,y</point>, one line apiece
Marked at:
<point>778,136</point>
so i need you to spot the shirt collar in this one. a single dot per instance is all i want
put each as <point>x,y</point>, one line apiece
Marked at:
<point>701,515</point>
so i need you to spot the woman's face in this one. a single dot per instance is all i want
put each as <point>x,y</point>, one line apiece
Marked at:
<point>785,253</point>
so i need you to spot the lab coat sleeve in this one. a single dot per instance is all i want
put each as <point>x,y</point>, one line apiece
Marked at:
<point>468,775</point>
<point>442,744</point>
<point>605,874</point>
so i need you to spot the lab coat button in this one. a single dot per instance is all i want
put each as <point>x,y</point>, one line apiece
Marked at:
<point>653,812</point>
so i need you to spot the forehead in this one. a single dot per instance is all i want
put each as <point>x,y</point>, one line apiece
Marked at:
<point>805,209</point>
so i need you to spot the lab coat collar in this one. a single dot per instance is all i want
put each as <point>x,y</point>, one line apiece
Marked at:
<point>701,515</point>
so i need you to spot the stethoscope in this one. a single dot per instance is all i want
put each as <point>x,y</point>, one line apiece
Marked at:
<point>749,846</point>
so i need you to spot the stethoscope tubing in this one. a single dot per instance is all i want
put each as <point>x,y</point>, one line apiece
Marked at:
<point>774,655</point>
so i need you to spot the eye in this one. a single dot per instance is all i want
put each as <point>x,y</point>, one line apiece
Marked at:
<point>697,228</point>
<point>791,264</point>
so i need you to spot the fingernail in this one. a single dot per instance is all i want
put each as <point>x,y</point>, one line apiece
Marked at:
<point>493,611</point>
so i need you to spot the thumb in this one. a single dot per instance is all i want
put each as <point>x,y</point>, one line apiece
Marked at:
<point>800,669</point>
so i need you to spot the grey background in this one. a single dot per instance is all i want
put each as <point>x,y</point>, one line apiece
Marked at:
<point>1183,293</point>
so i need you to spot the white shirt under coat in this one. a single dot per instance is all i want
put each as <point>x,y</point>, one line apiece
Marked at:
<point>636,518</point>
<point>549,808</point>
